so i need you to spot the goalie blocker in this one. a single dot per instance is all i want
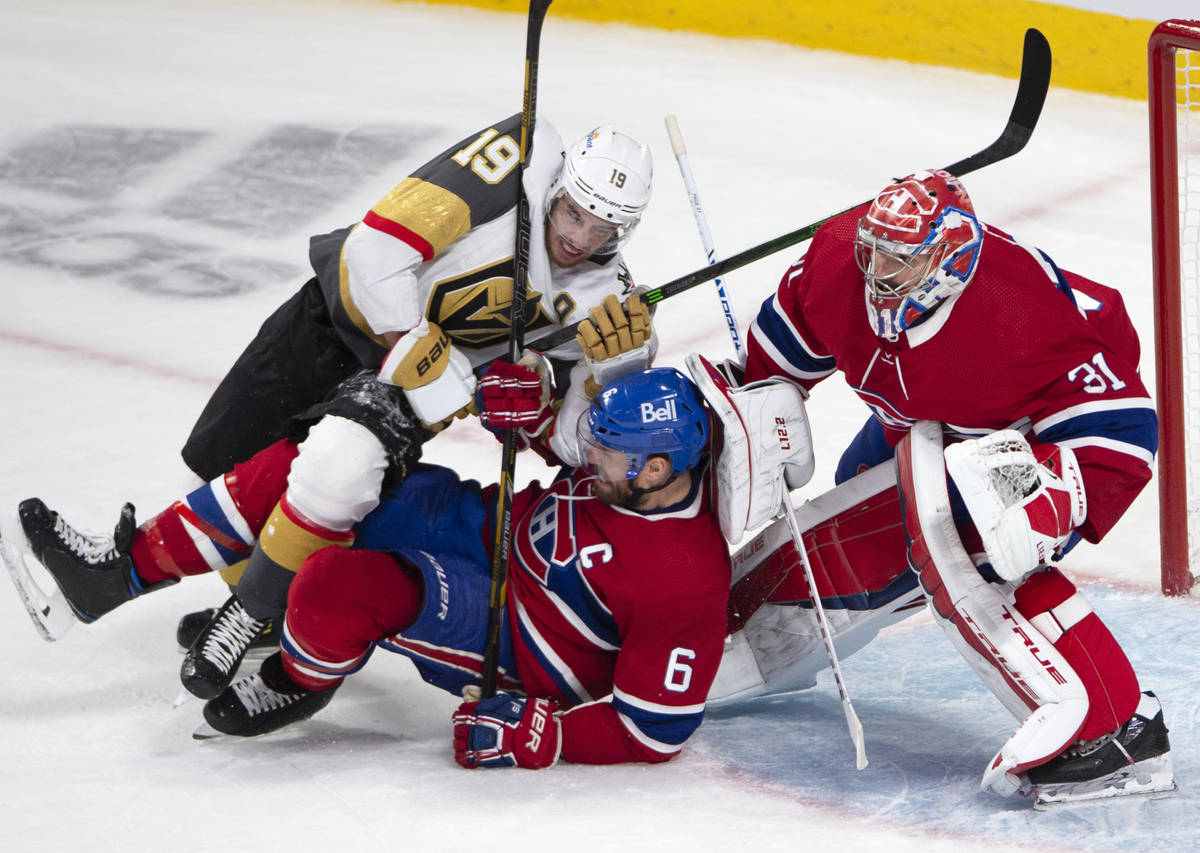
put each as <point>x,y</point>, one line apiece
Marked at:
<point>853,536</point>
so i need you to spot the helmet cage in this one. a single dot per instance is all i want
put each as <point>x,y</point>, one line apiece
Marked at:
<point>904,281</point>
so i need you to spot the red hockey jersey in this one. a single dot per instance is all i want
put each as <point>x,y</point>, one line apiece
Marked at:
<point>619,614</point>
<point>1025,345</point>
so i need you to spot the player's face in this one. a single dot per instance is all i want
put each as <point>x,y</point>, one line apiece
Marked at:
<point>573,235</point>
<point>892,276</point>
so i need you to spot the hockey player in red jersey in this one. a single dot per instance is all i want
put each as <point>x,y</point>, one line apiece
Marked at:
<point>617,590</point>
<point>934,317</point>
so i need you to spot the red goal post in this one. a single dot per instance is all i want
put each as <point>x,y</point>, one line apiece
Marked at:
<point>1174,92</point>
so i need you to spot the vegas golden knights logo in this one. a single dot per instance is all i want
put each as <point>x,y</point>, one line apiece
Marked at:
<point>473,308</point>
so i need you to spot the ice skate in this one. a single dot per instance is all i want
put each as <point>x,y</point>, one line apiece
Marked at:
<point>191,624</point>
<point>1135,759</point>
<point>261,703</point>
<point>220,645</point>
<point>64,575</point>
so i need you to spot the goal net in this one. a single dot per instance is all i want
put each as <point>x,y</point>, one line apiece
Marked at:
<point>1174,91</point>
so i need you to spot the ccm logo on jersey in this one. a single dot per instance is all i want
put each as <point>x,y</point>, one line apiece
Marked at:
<point>650,414</point>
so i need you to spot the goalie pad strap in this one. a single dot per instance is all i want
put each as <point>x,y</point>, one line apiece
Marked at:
<point>1056,621</point>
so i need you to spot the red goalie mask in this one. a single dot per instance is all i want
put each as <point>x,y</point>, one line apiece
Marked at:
<point>917,246</point>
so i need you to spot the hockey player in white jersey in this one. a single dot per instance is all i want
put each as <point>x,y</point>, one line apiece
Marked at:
<point>381,349</point>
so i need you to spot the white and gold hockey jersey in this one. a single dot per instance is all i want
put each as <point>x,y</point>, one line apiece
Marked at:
<point>441,244</point>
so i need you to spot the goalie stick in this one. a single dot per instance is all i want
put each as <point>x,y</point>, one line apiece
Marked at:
<point>516,343</point>
<point>1027,108</point>
<point>856,729</point>
<point>786,509</point>
<point>689,183</point>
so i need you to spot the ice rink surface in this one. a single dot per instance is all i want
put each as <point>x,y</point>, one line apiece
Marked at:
<point>162,165</point>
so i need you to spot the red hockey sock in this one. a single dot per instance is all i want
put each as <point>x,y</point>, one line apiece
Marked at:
<point>216,525</point>
<point>1048,600</point>
<point>340,603</point>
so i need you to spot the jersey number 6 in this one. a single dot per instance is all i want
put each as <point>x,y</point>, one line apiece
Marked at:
<point>679,674</point>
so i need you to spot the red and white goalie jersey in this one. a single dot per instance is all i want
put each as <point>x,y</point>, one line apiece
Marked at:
<point>603,600</point>
<point>1025,345</point>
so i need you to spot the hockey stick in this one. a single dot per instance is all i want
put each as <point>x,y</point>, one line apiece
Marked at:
<point>516,343</point>
<point>856,729</point>
<point>1027,108</point>
<point>689,183</point>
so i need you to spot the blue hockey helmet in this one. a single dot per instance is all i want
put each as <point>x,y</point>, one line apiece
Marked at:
<point>652,412</point>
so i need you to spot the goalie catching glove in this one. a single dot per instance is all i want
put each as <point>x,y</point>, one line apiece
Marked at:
<point>616,340</point>
<point>436,378</point>
<point>507,731</point>
<point>1025,501</point>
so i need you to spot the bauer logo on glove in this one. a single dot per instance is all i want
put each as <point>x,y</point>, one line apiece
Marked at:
<point>507,731</point>
<point>436,377</point>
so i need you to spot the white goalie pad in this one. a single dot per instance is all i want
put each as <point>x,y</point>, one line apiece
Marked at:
<point>766,447</point>
<point>45,603</point>
<point>779,648</point>
<point>1012,657</point>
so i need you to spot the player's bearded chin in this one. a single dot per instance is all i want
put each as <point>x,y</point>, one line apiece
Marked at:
<point>616,493</point>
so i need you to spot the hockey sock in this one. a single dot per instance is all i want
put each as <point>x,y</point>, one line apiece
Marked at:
<point>215,526</point>
<point>1051,603</point>
<point>338,606</point>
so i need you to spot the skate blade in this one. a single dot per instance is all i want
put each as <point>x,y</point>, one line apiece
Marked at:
<point>1152,778</point>
<point>49,610</point>
<point>207,732</point>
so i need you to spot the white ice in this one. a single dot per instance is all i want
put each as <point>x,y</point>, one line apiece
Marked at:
<point>162,163</point>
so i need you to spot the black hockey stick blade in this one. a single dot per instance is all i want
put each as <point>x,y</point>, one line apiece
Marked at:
<point>1027,108</point>
<point>1031,96</point>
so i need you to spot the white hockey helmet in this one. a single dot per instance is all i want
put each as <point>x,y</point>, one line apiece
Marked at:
<point>608,175</point>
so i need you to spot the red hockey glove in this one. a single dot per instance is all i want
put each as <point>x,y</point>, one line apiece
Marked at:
<point>507,731</point>
<point>517,396</point>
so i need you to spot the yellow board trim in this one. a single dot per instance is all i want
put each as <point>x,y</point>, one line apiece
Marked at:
<point>1093,51</point>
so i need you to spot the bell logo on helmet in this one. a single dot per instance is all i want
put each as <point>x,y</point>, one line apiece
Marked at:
<point>653,414</point>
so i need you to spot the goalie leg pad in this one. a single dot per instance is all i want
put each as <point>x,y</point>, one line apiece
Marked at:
<point>1019,665</point>
<point>1060,613</point>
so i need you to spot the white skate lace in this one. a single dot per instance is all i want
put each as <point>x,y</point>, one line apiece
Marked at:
<point>231,636</point>
<point>93,550</point>
<point>257,698</point>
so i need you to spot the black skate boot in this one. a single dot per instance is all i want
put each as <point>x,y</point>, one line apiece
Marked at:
<point>93,574</point>
<point>1135,759</point>
<point>191,624</point>
<point>263,702</point>
<point>218,649</point>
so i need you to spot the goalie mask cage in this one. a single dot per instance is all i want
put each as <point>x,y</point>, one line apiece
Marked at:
<point>1174,92</point>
